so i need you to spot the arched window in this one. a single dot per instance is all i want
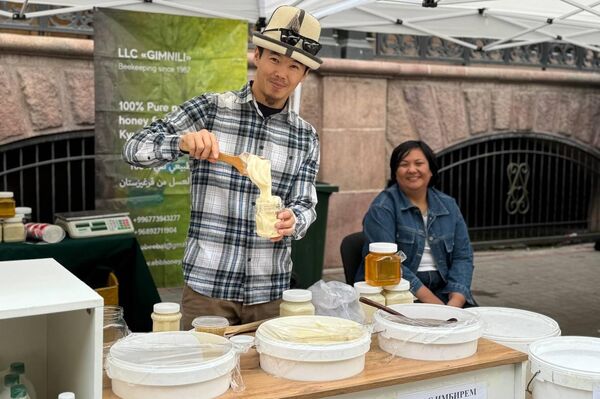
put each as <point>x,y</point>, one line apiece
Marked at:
<point>524,187</point>
<point>53,173</point>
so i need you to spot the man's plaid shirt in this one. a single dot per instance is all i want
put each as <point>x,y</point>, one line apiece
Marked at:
<point>224,258</point>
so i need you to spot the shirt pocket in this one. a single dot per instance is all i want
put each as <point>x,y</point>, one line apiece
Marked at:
<point>449,244</point>
<point>405,236</point>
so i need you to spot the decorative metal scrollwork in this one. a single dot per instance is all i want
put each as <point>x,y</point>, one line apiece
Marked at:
<point>517,200</point>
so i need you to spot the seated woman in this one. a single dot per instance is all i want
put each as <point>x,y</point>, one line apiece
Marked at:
<point>427,226</point>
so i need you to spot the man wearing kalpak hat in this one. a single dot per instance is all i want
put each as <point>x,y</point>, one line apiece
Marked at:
<point>228,269</point>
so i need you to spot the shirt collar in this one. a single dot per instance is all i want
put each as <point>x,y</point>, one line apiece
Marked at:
<point>434,203</point>
<point>245,96</point>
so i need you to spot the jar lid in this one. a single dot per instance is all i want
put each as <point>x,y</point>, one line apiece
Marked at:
<point>24,210</point>
<point>16,219</point>
<point>383,247</point>
<point>6,194</point>
<point>166,307</point>
<point>363,288</point>
<point>403,285</point>
<point>210,321</point>
<point>242,339</point>
<point>297,295</point>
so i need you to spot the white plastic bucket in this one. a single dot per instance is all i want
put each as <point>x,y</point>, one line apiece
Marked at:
<point>168,365</point>
<point>450,342</point>
<point>311,362</point>
<point>565,367</point>
<point>515,328</point>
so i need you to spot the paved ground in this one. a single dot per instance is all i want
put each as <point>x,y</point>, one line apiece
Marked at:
<point>560,282</point>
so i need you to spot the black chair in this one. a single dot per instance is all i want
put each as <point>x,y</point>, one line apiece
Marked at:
<point>351,251</point>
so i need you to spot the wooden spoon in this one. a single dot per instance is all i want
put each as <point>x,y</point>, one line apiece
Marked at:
<point>237,161</point>
<point>408,320</point>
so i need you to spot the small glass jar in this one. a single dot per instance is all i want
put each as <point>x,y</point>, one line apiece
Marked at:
<point>13,230</point>
<point>382,264</point>
<point>399,293</point>
<point>296,303</point>
<point>166,317</point>
<point>25,213</point>
<point>210,324</point>
<point>114,328</point>
<point>7,204</point>
<point>371,292</point>
<point>267,209</point>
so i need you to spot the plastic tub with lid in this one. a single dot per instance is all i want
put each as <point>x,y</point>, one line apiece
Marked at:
<point>167,365</point>
<point>446,342</point>
<point>565,368</point>
<point>515,328</point>
<point>312,348</point>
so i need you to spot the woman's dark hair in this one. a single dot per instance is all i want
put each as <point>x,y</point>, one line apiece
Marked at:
<point>402,151</point>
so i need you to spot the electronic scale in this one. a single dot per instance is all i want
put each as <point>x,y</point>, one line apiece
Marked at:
<point>94,223</point>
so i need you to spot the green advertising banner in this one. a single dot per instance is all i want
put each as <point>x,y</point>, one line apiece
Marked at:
<point>145,66</point>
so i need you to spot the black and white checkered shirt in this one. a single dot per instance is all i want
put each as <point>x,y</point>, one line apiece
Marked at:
<point>224,258</point>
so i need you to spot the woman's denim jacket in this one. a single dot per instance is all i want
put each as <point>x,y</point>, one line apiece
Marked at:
<point>393,218</point>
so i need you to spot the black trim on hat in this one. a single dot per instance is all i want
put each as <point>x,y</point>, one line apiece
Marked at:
<point>290,49</point>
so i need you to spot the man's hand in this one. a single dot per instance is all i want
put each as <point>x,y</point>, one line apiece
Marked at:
<point>200,145</point>
<point>286,224</point>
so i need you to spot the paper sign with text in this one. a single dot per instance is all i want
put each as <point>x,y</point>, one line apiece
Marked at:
<point>468,391</point>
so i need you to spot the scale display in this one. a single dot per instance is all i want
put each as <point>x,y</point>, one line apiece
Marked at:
<point>94,223</point>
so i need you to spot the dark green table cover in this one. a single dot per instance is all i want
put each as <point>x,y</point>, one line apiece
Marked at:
<point>87,258</point>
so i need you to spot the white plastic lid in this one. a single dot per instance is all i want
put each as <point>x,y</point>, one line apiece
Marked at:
<point>403,285</point>
<point>363,288</point>
<point>166,307</point>
<point>242,339</point>
<point>297,295</point>
<point>66,395</point>
<point>16,219</point>
<point>508,325</point>
<point>572,362</point>
<point>6,194</point>
<point>210,321</point>
<point>383,247</point>
<point>25,210</point>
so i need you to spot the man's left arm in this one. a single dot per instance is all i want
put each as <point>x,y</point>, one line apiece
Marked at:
<point>300,212</point>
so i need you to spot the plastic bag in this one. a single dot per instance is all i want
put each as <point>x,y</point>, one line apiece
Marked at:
<point>337,299</point>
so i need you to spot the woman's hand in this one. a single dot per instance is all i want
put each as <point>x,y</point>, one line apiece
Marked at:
<point>425,295</point>
<point>456,299</point>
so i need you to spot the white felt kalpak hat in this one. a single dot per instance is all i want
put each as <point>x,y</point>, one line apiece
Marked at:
<point>301,24</point>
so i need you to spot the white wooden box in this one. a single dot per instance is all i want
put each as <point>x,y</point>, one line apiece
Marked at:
<point>52,321</point>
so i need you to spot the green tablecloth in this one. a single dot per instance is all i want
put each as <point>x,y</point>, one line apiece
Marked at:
<point>87,258</point>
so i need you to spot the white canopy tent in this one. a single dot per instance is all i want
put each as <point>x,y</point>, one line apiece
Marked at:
<point>509,23</point>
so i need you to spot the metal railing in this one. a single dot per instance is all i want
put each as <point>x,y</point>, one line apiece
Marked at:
<point>50,174</point>
<point>544,55</point>
<point>385,46</point>
<point>524,187</point>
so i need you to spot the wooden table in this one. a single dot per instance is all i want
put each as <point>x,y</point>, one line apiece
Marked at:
<point>500,369</point>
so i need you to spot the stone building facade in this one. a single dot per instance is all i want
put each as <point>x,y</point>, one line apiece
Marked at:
<point>361,109</point>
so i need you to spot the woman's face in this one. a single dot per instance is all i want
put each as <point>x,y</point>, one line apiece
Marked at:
<point>413,173</point>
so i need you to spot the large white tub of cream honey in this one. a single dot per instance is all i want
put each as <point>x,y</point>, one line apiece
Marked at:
<point>447,342</point>
<point>312,348</point>
<point>169,365</point>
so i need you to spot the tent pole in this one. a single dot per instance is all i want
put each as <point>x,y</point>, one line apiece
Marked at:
<point>338,7</point>
<point>582,7</point>
<point>554,36</point>
<point>67,10</point>
<point>196,9</point>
